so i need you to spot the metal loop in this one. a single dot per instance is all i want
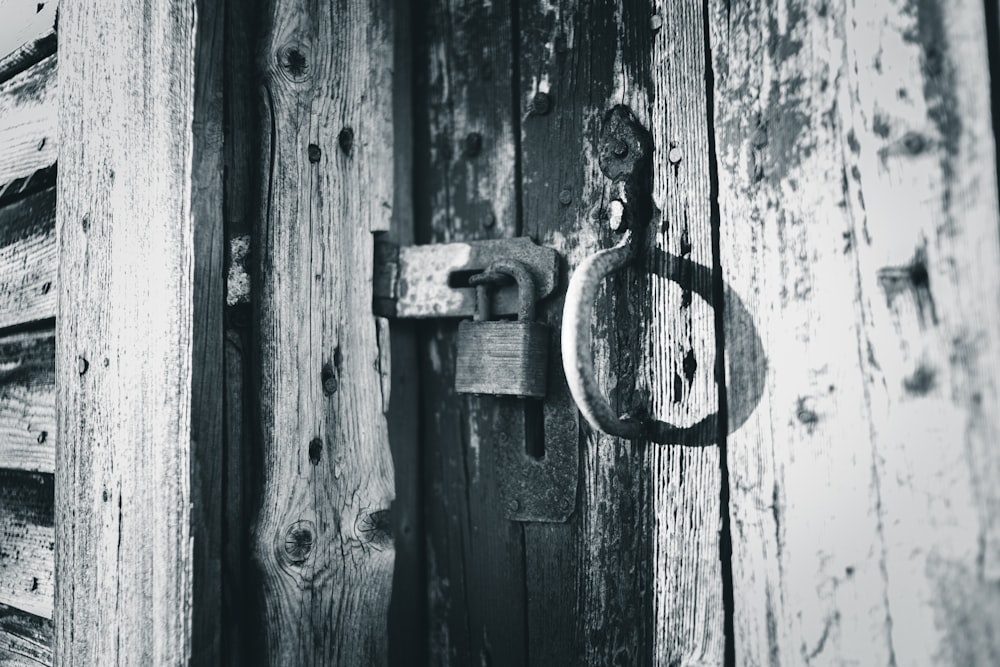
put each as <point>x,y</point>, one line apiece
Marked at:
<point>576,344</point>
<point>517,270</point>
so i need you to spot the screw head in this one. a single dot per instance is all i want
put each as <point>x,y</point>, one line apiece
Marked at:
<point>655,22</point>
<point>514,505</point>
<point>674,155</point>
<point>565,197</point>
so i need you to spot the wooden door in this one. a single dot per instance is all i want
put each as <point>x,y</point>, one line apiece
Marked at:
<point>816,307</point>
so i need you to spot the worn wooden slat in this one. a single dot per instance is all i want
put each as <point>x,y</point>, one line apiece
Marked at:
<point>126,214</point>
<point>207,417</point>
<point>646,535</point>
<point>407,628</point>
<point>321,539</point>
<point>859,224</point>
<point>26,546</point>
<point>27,401</point>
<point>28,128</point>
<point>29,33</point>
<point>25,639</point>
<point>242,637</point>
<point>28,259</point>
<point>466,188</point>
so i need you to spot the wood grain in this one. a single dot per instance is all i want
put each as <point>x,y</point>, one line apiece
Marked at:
<point>27,401</point>
<point>29,33</point>
<point>321,539</point>
<point>465,186</point>
<point>124,354</point>
<point>26,547</point>
<point>28,259</point>
<point>25,639</point>
<point>859,224</point>
<point>28,127</point>
<point>647,546</point>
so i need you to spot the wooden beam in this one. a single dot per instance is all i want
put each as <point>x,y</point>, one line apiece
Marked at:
<point>29,33</point>
<point>321,539</point>
<point>28,259</point>
<point>25,639</point>
<point>859,223</point>
<point>26,559</point>
<point>27,401</point>
<point>28,128</point>
<point>133,197</point>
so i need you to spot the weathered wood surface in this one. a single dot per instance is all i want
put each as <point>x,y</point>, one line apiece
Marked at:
<point>29,33</point>
<point>127,209</point>
<point>466,188</point>
<point>321,539</point>
<point>28,259</point>
<point>591,588</point>
<point>25,639</point>
<point>28,127</point>
<point>27,401</point>
<point>859,222</point>
<point>26,542</point>
<point>241,635</point>
<point>207,381</point>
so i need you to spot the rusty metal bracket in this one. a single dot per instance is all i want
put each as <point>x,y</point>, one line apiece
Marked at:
<point>427,281</point>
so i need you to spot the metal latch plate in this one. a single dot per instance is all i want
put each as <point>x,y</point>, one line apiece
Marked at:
<point>417,281</point>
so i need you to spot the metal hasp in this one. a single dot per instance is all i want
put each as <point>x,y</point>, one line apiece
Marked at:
<point>438,281</point>
<point>429,281</point>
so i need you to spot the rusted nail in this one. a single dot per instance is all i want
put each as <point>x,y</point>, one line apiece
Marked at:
<point>514,505</point>
<point>674,155</point>
<point>473,144</point>
<point>329,379</point>
<point>42,437</point>
<point>655,22</point>
<point>915,143</point>
<point>82,365</point>
<point>299,541</point>
<point>619,148</point>
<point>565,197</point>
<point>314,153</point>
<point>490,221</point>
<point>346,140</point>
<point>41,144</point>
<point>541,103</point>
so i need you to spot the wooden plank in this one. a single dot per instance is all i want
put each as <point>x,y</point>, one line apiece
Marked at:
<point>28,127</point>
<point>25,639</point>
<point>207,381</point>
<point>465,183</point>
<point>242,632</point>
<point>27,401</point>
<point>29,33</point>
<point>321,538</point>
<point>407,607</point>
<point>126,217</point>
<point>859,224</point>
<point>647,586</point>
<point>28,259</point>
<point>27,544</point>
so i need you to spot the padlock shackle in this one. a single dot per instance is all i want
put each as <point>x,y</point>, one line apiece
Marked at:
<point>517,270</point>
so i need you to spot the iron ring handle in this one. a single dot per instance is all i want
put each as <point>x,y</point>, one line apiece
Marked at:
<point>577,355</point>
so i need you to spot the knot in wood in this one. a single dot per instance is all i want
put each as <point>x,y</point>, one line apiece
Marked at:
<point>299,540</point>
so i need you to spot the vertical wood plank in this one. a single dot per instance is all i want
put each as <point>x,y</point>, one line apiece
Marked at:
<point>646,587</point>
<point>126,215</point>
<point>207,417</point>
<point>321,539</point>
<point>465,180</point>
<point>859,224</point>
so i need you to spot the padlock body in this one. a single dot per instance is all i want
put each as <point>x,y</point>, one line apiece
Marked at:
<point>502,358</point>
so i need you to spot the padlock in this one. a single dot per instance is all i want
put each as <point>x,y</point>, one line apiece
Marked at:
<point>503,357</point>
